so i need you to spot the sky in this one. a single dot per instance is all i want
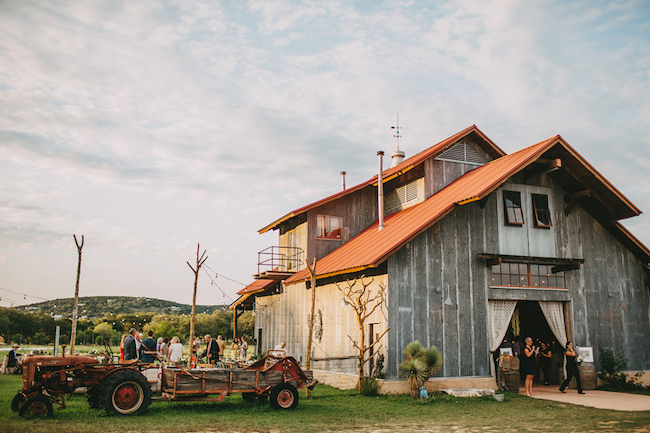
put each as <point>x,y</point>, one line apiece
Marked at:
<point>151,127</point>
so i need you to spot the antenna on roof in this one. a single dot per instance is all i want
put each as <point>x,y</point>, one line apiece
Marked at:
<point>398,155</point>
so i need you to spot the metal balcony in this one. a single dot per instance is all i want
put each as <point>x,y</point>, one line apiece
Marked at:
<point>279,263</point>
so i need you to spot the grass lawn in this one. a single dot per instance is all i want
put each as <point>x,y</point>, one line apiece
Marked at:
<point>330,410</point>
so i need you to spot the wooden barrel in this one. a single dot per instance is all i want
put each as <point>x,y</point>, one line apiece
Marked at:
<point>588,376</point>
<point>510,380</point>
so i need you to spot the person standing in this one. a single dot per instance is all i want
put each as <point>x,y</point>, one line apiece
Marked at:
<point>545,362</point>
<point>571,368</point>
<point>130,347</point>
<point>138,345</point>
<point>222,346</point>
<point>12,359</point>
<point>175,350</point>
<point>211,349</point>
<point>164,347</point>
<point>528,366</point>
<point>148,345</point>
<point>244,346</point>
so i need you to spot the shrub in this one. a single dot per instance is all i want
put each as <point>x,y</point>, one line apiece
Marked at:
<point>612,371</point>
<point>41,338</point>
<point>419,364</point>
<point>369,386</point>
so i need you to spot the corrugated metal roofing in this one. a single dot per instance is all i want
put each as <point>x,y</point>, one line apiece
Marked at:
<point>392,172</point>
<point>371,247</point>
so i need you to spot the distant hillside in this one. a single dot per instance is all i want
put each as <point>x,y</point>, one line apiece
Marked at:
<point>97,306</point>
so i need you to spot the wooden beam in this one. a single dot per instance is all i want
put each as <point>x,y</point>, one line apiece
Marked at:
<point>543,166</point>
<point>565,267</point>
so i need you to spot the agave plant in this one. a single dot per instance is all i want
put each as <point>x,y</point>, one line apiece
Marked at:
<point>419,364</point>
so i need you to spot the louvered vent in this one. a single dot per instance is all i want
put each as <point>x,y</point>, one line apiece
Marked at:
<point>401,196</point>
<point>465,153</point>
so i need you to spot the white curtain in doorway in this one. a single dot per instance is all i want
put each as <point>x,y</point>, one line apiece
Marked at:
<point>500,315</point>
<point>554,313</point>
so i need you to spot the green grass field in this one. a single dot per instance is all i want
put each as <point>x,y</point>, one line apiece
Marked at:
<point>329,410</point>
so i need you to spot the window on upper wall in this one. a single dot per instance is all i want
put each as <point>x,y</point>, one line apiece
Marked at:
<point>513,214</point>
<point>526,275</point>
<point>541,213</point>
<point>329,227</point>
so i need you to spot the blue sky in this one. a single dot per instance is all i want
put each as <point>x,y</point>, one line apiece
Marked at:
<point>151,126</point>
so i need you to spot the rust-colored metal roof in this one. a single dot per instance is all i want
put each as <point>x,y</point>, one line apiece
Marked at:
<point>257,286</point>
<point>371,247</point>
<point>406,165</point>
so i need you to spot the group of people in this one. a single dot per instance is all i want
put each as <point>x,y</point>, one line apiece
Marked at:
<point>133,346</point>
<point>239,348</point>
<point>543,355</point>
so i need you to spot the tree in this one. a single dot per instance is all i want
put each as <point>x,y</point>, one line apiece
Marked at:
<point>105,330</point>
<point>199,263</point>
<point>364,303</point>
<point>76,295</point>
<point>419,364</point>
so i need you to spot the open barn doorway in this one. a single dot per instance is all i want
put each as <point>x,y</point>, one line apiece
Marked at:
<point>528,320</point>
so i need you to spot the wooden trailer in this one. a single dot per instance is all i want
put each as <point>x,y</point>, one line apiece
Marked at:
<point>270,377</point>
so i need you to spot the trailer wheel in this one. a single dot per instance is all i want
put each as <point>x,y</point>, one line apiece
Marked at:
<point>36,406</point>
<point>284,396</point>
<point>126,392</point>
<point>17,401</point>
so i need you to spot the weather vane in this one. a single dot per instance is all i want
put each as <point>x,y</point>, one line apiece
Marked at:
<point>397,133</point>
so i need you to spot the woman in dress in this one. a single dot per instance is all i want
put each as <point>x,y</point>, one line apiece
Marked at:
<point>175,350</point>
<point>528,366</point>
<point>234,348</point>
<point>122,348</point>
<point>571,368</point>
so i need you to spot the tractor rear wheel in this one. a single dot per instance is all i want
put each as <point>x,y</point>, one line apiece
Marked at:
<point>126,392</point>
<point>36,406</point>
<point>284,396</point>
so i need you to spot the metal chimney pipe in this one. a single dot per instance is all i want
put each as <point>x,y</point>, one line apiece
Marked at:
<point>343,179</point>
<point>380,190</point>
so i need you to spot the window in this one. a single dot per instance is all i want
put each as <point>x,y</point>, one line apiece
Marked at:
<point>513,214</point>
<point>541,213</point>
<point>526,275</point>
<point>329,227</point>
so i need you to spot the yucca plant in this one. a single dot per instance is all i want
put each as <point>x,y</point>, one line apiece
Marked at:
<point>419,364</point>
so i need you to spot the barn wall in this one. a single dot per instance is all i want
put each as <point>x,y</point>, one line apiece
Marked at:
<point>610,304</point>
<point>287,321</point>
<point>438,291</point>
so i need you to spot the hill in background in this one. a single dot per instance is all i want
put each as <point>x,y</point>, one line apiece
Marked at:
<point>98,306</point>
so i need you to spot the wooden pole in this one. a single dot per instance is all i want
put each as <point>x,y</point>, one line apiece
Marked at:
<point>73,334</point>
<point>310,338</point>
<point>199,263</point>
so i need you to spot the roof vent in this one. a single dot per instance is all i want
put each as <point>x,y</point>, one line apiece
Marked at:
<point>398,157</point>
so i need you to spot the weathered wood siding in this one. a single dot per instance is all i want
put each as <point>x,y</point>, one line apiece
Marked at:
<point>438,291</point>
<point>287,321</point>
<point>610,303</point>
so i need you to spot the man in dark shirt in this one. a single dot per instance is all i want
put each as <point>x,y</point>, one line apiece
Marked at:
<point>211,350</point>
<point>149,345</point>
<point>130,351</point>
<point>12,359</point>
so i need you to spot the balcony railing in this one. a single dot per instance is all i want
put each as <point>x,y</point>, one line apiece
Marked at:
<point>275,259</point>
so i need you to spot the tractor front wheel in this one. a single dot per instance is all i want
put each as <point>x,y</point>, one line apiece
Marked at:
<point>36,406</point>
<point>17,401</point>
<point>284,396</point>
<point>126,392</point>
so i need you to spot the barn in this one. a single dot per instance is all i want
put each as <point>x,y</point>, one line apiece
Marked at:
<point>470,247</point>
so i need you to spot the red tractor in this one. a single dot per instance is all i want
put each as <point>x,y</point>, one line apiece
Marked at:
<point>123,389</point>
<point>117,388</point>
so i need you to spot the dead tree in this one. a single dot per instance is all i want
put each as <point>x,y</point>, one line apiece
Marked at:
<point>310,338</point>
<point>364,303</point>
<point>199,263</point>
<point>73,333</point>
